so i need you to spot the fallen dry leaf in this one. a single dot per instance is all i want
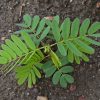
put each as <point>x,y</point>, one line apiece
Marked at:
<point>42,98</point>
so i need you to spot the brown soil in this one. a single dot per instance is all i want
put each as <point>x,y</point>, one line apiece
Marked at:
<point>87,75</point>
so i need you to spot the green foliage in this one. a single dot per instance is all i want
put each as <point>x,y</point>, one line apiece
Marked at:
<point>28,53</point>
<point>61,76</point>
<point>74,39</point>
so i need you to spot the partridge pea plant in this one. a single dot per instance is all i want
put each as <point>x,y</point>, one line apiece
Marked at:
<point>29,54</point>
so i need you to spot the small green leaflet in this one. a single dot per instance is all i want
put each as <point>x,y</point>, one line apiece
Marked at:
<point>30,80</point>
<point>6,55</point>
<point>56,30</point>
<point>9,50</point>
<point>56,77</point>
<point>85,58</point>
<point>50,71</point>
<point>22,79</point>
<point>27,19</point>
<point>44,34</point>
<point>13,47</point>
<point>3,60</point>
<point>77,59</point>
<point>94,28</point>
<point>57,19</point>
<point>67,69</point>
<point>23,25</point>
<point>33,77</point>
<point>73,48</point>
<point>84,27</point>
<point>19,43</point>
<point>62,49</point>
<point>75,27</point>
<point>63,82</point>
<point>84,46</point>
<point>69,78</point>
<point>66,28</point>
<point>95,35</point>
<point>55,59</point>
<point>28,40</point>
<point>36,71</point>
<point>35,22</point>
<point>92,41</point>
<point>70,56</point>
<point>40,27</point>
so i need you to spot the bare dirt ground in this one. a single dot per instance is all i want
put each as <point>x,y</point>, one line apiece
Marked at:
<point>87,75</point>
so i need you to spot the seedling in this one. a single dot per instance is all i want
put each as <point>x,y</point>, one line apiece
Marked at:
<point>28,53</point>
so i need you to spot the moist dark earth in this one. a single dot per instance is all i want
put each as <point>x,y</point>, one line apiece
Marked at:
<point>87,75</point>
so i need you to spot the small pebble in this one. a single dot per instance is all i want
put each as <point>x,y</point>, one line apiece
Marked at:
<point>82,97</point>
<point>3,38</point>
<point>42,98</point>
<point>71,0</point>
<point>98,5</point>
<point>72,88</point>
<point>27,93</point>
<point>9,31</point>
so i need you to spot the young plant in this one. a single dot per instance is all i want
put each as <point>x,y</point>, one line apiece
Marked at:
<point>28,52</point>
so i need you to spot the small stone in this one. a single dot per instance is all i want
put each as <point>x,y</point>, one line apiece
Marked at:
<point>28,3</point>
<point>42,98</point>
<point>72,88</point>
<point>35,90</point>
<point>98,5</point>
<point>3,38</point>
<point>82,97</point>
<point>71,0</point>
<point>9,31</point>
<point>27,93</point>
<point>93,76</point>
